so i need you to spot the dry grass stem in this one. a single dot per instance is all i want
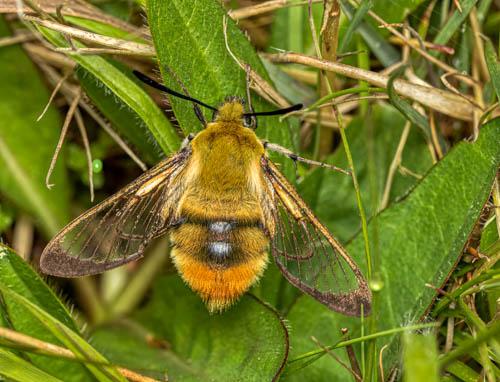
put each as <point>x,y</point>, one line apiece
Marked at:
<point>47,348</point>
<point>11,40</point>
<point>418,49</point>
<point>434,136</point>
<point>62,136</point>
<point>437,99</point>
<point>47,56</point>
<point>71,91</point>
<point>82,9</point>
<point>478,45</point>
<point>133,47</point>
<point>53,94</point>
<point>264,7</point>
<point>83,132</point>
<point>407,172</point>
<point>449,86</point>
<point>395,163</point>
<point>415,43</point>
<point>258,84</point>
<point>87,51</point>
<point>23,236</point>
<point>381,361</point>
<point>450,326</point>
<point>356,376</point>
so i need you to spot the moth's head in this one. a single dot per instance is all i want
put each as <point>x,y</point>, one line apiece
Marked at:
<point>233,111</point>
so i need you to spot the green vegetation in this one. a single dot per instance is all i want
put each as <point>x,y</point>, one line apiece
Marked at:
<point>405,94</point>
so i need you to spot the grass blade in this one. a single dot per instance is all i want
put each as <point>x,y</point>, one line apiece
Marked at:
<point>18,369</point>
<point>69,338</point>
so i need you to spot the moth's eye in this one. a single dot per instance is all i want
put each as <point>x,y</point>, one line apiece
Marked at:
<point>249,121</point>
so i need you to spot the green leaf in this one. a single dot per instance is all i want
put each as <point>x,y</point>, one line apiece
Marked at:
<point>420,240</point>
<point>404,107</point>
<point>248,342</point>
<point>23,280</point>
<point>493,66</point>
<point>354,23</point>
<point>395,11</point>
<point>463,372</point>
<point>420,358</point>
<point>97,364</point>
<point>384,51</point>
<point>331,195</point>
<point>189,41</point>
<point>454,22</point>
<point>128,345</point>
<point>124,119</point>
<point>16,368</point>
<point>125,89</point>
<point>26,146</point>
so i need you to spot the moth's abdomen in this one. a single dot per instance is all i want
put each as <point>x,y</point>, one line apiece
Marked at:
<point>219,258</point>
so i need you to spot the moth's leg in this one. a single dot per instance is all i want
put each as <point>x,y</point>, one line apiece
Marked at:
<point>248,70</point>
<point>186,140</point>
<point>296,158</point>
<point>248,83</point>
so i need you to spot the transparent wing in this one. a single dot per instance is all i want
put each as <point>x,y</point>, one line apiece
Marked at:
<point>118,229</point>
<point>307,254</point>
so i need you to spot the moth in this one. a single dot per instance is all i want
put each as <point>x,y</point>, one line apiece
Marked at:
<point>225,207</point>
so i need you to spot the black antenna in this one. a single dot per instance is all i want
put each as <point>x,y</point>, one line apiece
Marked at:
<point>276,112</point>
<point>149,81</point>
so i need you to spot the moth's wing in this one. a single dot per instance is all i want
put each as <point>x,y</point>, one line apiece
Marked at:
<point>309,257</point>
<point>118,229</point>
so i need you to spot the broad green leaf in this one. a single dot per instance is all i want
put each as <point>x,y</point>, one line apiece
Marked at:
<point>18,369</point>
<point>493,66</point>
<point>127,90</point>
<point>124,119</point>
<point>27,146</point>
<point>189,41</point>
<point>97,364</point>
<point>420,240</point>
<point>23,280</point>
<point>248,342</point>
<point>420,358</point>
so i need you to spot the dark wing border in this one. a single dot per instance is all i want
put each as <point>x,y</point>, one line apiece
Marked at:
<point>284,195</point>
<point>57,262</point>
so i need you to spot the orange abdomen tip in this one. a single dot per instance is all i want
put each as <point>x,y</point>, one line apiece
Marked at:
<point>218,286</point>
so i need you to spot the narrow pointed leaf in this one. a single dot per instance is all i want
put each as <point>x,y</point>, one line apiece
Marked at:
<point>23,280</point>
<point>97,365</point>
<point>18,369</point>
